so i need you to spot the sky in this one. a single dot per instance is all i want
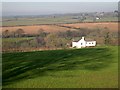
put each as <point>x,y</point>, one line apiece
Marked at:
<point>59,0</point>
<point>45,8</point>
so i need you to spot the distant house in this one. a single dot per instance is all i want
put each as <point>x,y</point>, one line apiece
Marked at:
<point>82,43</point>
<point>97,18</point>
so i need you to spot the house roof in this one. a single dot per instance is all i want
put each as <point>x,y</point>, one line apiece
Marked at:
<point>86,39</point>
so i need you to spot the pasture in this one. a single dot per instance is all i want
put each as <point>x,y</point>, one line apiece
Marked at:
<point>55,19</point>
<point>37,20</point>
<point>70,68</point>
<point>16,39</point>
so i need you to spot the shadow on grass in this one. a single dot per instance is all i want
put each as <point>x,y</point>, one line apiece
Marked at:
<point>20,66</point>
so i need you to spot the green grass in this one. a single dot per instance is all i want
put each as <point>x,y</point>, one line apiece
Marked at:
<point>35,20</point>
<point>16,39</point>
<point>73,68</point>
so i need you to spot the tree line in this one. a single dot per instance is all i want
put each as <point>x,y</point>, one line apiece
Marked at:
<point>57,40</point>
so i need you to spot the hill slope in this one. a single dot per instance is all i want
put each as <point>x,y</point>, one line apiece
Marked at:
<point>83,68</point>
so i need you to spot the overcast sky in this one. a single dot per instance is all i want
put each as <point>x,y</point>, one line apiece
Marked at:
<point>59,0</point>
<point>42,8</point>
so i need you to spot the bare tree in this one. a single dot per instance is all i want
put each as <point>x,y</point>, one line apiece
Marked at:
<point>6,33</point>
<point>42,33</point>
<point>107,38</point>
<point>51,40</point>
<point>54,41</point>
<point>19,32</point>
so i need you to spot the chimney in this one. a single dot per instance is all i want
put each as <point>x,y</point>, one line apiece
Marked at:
<point>83,38</point>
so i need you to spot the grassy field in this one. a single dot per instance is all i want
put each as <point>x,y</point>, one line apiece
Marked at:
<point>36,20</point>
<point>73,68</point>
<point>16,39</point>
<point>11,21</point>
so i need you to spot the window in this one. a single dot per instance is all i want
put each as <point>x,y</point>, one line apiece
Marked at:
<point>81,43</point>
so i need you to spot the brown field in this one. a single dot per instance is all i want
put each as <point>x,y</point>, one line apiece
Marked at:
<point>34,29</point>
<point>110,25</point>
<point>113,26</point>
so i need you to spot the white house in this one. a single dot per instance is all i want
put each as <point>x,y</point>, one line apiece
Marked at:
<point>97,18</point>
<point>82,43</point>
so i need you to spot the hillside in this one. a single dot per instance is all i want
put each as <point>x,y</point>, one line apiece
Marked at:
<point>81,68</point>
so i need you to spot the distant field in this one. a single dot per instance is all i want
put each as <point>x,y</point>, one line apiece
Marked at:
<point>53,28</point>
<point>15,39</point>
<point>35,20</point>
<point>73,68</point>
<point>34,29</point>
<point>108,25</point>
<point>60,19</point>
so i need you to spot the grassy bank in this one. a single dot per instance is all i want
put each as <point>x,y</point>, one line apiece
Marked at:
<point>81,68</point>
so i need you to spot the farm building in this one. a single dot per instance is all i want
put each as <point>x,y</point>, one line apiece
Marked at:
<point>82,43</point>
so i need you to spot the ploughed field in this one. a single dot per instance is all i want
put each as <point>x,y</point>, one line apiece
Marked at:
<point>82,68</point>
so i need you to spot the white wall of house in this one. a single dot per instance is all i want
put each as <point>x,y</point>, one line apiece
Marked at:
<point>91,43</point>
<point>82,43</point>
